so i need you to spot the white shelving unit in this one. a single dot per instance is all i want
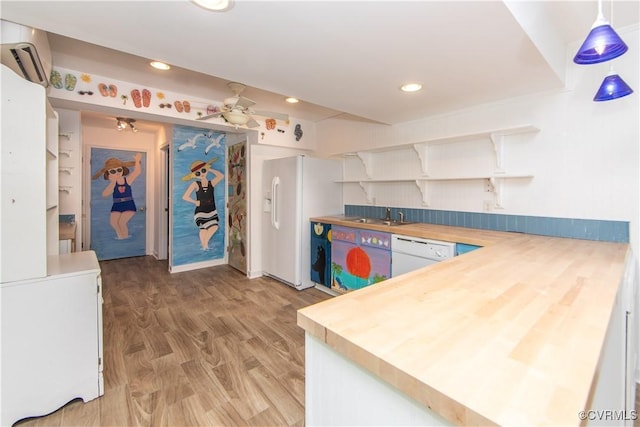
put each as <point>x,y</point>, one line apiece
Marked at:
<point>494,179</point>
<point>29,168</point>
<point>53,206</point>
<point>66,169</point>
<point>51,304</point>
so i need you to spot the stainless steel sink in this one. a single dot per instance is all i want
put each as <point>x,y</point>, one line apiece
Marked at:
<point>380,221</point>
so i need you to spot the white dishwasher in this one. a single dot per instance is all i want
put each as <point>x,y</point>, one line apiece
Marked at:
<point>411,253</point>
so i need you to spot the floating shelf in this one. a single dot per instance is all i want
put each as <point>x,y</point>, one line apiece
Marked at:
<point>494,184</point>
<point>496,136</point>
<point>495,178</point>
<point>66,169</point>
<point>347,181</point>
<point>462,178</point>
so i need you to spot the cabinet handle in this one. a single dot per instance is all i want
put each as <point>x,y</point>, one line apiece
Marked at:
<point>275,214</point>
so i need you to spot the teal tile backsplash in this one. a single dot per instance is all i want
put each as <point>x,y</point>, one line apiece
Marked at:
<point>575,228</point>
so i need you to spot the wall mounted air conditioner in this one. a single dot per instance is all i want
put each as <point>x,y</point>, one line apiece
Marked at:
<point>26,51</point>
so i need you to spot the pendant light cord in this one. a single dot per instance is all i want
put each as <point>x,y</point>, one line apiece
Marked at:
<point>600,17</point>
<point>611,72</point>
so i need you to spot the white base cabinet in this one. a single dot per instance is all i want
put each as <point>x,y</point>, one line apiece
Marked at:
<point>338,392</point>
<point>51,338</point>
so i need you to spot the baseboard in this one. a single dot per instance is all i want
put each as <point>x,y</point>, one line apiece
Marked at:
<point>254,274</point>
<point>196,266</point>
<point>327,290</point>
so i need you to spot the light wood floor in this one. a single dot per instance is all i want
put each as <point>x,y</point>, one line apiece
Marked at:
<point>201,348</point>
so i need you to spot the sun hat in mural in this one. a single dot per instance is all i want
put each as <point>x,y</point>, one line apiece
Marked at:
<point>198,164</point>
<point>113,163</point>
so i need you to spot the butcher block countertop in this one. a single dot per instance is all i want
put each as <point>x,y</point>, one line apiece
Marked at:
<point>509,334</point>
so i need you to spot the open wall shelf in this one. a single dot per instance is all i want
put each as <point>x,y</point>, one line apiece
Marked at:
<point>494,179</point>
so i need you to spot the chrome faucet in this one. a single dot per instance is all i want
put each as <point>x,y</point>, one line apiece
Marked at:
<point>400,217</point>
<point>387,216</point>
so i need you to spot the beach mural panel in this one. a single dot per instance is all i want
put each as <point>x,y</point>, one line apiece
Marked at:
<point>198,194</point>
<point>118,203</point>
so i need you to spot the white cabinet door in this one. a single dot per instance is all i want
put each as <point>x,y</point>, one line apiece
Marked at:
<point>51,339</point>
<point>23,247</point>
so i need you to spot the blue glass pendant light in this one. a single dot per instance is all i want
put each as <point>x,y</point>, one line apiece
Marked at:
<point>612,87</point>
<point>602,43</point>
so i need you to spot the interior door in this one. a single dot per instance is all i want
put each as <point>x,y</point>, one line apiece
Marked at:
<point>118,203</point>
<point>237,206</point>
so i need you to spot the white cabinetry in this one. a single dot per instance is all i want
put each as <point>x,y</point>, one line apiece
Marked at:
<point>70,179</point>
<point>28,179</point>
<point>339,392</point>
<point>53,208</point>
<point>427,171</point>
<point>51,305</point>
<point>613,398</point>
<point>52,338</point>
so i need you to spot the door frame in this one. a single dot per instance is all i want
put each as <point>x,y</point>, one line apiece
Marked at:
<point>164,202</point>
<point>86,190</point>
<point>228,202</point>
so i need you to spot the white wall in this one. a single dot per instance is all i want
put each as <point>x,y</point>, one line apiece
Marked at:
<point>585,157</point>
<point>161,177</point>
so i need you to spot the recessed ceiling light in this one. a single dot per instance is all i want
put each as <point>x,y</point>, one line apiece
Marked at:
<point>292,100</point>
<point>215,5</point>
<point>411,87</point>
<point>159,65</point>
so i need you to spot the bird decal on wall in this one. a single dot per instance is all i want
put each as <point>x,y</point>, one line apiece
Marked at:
<point>191,142</point>
<point>214,143</point>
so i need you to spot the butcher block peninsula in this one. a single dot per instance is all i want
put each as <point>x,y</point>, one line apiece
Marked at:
<point>527,330</point>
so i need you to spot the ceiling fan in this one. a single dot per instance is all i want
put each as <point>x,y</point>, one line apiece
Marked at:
<point>237,109</point>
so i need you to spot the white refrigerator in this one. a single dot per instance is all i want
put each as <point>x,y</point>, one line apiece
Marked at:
<point>295,189</point>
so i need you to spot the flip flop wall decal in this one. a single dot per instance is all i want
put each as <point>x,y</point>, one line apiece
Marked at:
<point>146,97</point>
<point>56,79</point>
<point>298,132</point>
<point>70,82</point>
<point>137,98</point>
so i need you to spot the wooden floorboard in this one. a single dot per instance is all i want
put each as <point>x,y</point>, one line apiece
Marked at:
<point>202,348</point>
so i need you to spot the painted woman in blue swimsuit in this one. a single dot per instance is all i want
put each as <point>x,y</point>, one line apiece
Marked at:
<point>120,180</point>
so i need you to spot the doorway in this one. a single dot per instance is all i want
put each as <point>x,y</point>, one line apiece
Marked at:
<point>118,203</point>
<point>164,198</point>
<point>237,206</point>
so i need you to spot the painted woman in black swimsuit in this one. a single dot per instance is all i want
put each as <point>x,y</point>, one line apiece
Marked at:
<point>205,214</point>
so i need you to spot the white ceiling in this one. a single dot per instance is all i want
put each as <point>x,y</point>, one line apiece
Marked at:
<point>336,56</point>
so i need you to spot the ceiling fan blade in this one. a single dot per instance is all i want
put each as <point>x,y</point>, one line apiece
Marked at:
<point>209,116</point>
<point>252,123</point>
<point>244,102</point>
<point>272,115</point>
